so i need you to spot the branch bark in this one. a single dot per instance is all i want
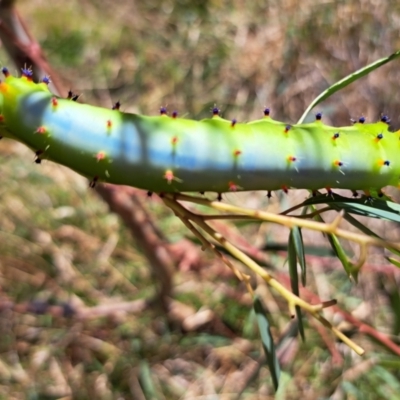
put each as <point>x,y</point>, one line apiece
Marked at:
<point>26,51</point>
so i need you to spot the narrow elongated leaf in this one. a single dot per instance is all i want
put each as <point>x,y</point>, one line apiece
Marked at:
<point>367,231</point>
<point>351,390</point>
<point>393,261</point>
<point>374,208</point>
<point>340,253</point>
<point>377,209</point>
<point>347,81</point>
<point>391,381</point>
<point>146,381</point>
<point>268,342</point>
<point>300,252</point>
<point>295,243</point>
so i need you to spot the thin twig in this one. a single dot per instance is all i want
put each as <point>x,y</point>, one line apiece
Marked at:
<point>289,222</point>
<point>186,216</point>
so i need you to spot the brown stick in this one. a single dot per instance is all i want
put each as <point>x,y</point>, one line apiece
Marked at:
<point>24,50</point>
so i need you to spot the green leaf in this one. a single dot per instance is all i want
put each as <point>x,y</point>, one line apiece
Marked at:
<point>391,381</point>
<point>340,253</point>
<point>300,252</point>
<point>388,361</point>
<point>268,342</point>
<point>319,250</point>
<point>393,261</point>
<point>367,231</point>
<point>346,81</point>
<point>351,390</point>
<point>146,380</point>
<point>295,249</point>
<point>373,208</point>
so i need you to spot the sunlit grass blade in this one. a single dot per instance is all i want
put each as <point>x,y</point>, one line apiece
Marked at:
<point>393,261</point>
<point>268,342</point>
<point>300,252</point>
<point>347,81</point>
<point>374,208</point>
<point>295,252</point>
<point>340,253</point>
<point>146,381</point>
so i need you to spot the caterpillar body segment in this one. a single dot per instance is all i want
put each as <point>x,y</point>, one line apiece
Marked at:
<point>171,154</point>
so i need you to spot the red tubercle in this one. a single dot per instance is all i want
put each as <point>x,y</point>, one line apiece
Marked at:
<point>237,153</point>
<point>4,87</point>
<point>291,158</point>
<point>101,155</point>
<point>109,124</point>
<point>169,176</point>
<point>174,140</point>
<point>233,187</point>
<point>41,130</point>
<point>285,189</point>
<point>1,118</point>
<point>54,102</point>
<point>329,191</point>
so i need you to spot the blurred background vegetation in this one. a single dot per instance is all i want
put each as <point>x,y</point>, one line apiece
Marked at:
<point>76,319</point>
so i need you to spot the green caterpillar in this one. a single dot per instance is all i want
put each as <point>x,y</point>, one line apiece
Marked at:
<point>170,154</point>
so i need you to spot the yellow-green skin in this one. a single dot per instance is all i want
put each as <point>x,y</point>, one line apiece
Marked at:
<point>165,154</point>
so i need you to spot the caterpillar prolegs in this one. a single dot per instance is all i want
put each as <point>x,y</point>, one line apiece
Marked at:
<point>169,154</point>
